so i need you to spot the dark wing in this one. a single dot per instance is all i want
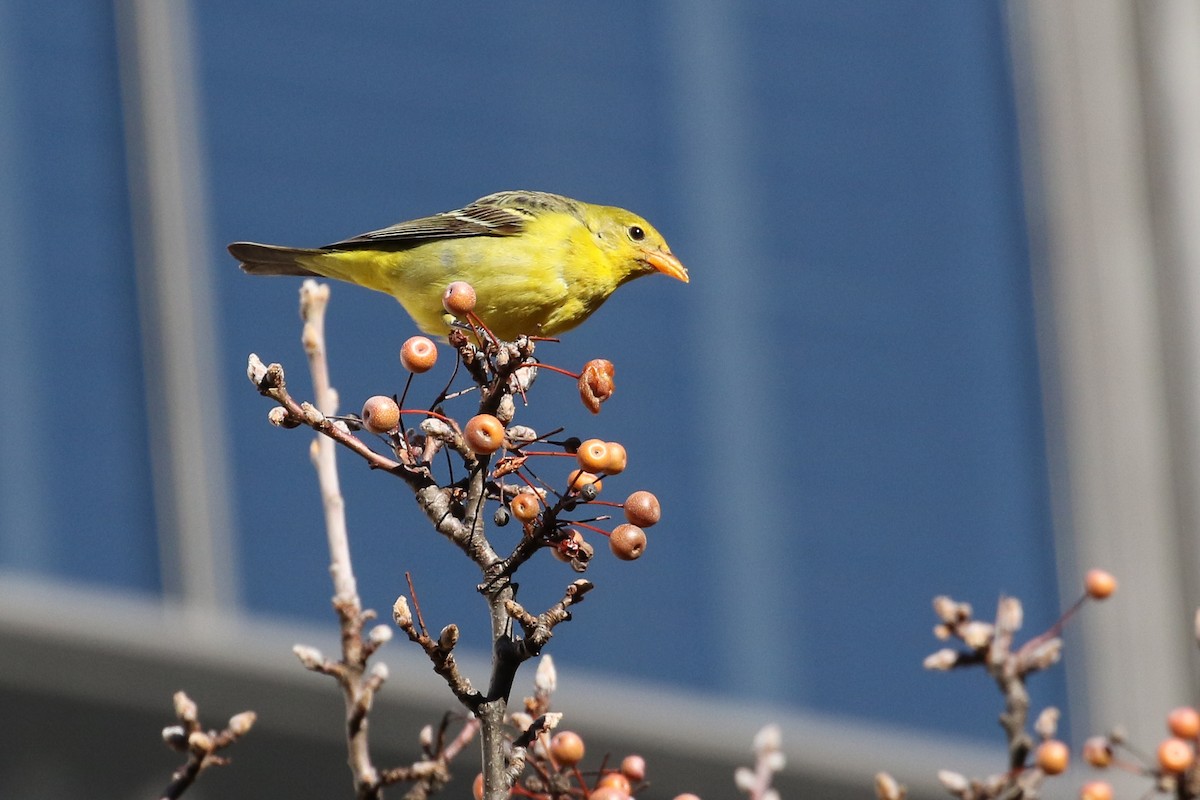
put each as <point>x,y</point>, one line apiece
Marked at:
<point>500,214</point>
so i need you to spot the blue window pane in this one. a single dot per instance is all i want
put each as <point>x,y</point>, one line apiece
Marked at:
<point>918,460</point>
<point>891,297</point>
<point>75,499</point>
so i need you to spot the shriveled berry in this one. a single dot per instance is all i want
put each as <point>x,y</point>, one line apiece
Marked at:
<point>571,445</point>
<point>1097,751</point>
<point>642,509</point>
<point>627,542</point>
<point>566,748</point>
<point>1099,584</point>
<point>484,434</point>
<point>616,459</point>
<point>1053,756</point>
<point>634,768</point>
<point>380,414</point>
<point>418,354</point>
<point>1184,722</point>
<point>596,383</point>
<point>1096,790</point>
<point>1175,755</point>
<point>459,298</point>
<point>592,455</point>
<point>580,478</point>
<point>501,517</point>
<point>525,506</point>
<point>568,548</point>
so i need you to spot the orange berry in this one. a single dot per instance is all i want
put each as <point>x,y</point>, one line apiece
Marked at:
<point>459,298</point>
<point>642,509</point>
<point>484,434</point>
<point>1184,722</point>
<point>580,478</point>
<point>1097,751</point>
<point>627,542</point>
<point>1053,756</point>
<point>608,793</point>
<point>477,787</point>
<point>592,455</point>
<point>380,414</point>
<point>418,354</point>
<point>1096,790</point>
<point>686,796</point>
<point>1099,584</point>
<point>616,459</point>
<point>616,780</point>
<point>634,768</point>
<point>525,506</point>
<point>1175,755</point>
<point>567,748</point>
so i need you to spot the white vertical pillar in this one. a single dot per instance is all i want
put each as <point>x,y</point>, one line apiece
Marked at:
<point>183,383</point>
<point>1094,242</point>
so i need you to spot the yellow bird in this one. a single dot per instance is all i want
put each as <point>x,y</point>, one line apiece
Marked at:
<point>540,263</point>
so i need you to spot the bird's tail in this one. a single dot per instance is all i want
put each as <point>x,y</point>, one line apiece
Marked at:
<point>272,259</point>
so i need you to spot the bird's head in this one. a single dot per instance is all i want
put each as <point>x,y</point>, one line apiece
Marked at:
<point>632,244</point>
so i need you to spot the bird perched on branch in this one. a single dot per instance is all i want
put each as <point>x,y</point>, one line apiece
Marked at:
<point>540,263</point>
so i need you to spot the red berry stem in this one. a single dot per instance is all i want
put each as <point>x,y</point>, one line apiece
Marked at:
<point>560,370</point>
<point>600,531</point>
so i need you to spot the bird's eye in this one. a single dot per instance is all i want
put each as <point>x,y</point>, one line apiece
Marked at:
<point>636,233</point>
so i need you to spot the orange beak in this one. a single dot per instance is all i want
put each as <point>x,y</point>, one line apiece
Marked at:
<point>665,262</point>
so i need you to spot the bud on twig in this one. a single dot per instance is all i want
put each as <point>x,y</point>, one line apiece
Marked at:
<point>240,724</point>
<point>200,742</point>
<point>311,414</point>
<point>954,782</point>
<point>943,659</point>
<point>506,409</point>
<point>745,779</point>
<point>517,435</point>
<point>310,657</point>
<point>379,635</point>
<point>185,708</point>
<point>1047,723</point>
<point>400,612</point>
<point>256,370</point>
<point>768,740</point>
<point>977,635</point>
<point>448,637</point>
<point>946,609</point>
<point>887,788</point>
<point>1009,615</point>
<point>437,429</point>
<point>545,680</point>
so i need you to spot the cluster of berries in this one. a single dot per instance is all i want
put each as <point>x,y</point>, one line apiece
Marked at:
<point>536,507</point>
<point>1175,770</point>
